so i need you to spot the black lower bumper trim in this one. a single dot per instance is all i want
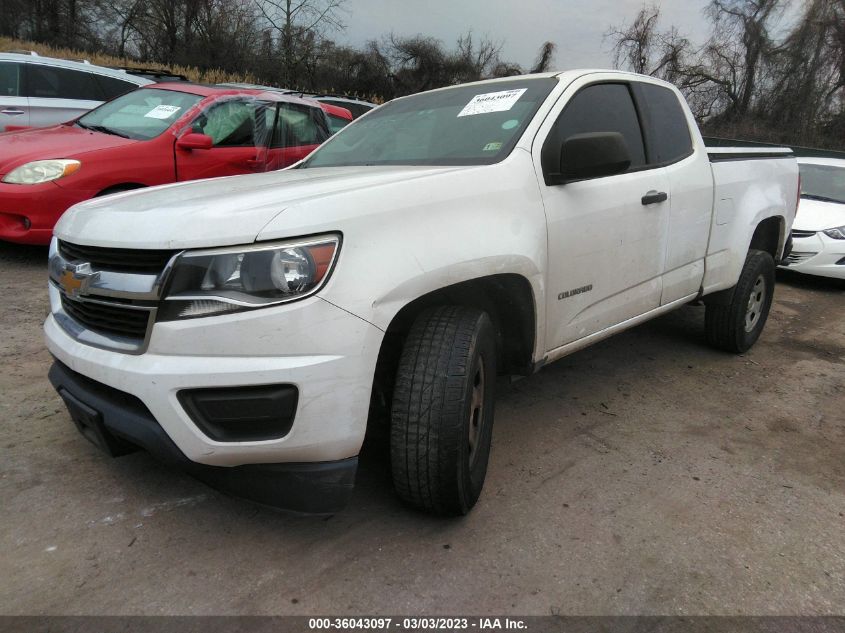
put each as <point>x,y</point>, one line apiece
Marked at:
<point>118,423</point>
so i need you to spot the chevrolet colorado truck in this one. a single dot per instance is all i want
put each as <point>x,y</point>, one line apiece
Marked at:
<point>247,328</point>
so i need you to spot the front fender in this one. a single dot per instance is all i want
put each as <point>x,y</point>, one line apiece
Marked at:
<point>406,238</point>
<point>385,307</point>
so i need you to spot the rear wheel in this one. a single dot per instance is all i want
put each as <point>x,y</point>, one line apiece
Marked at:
<point>442,412</point>
<point>736,325</point>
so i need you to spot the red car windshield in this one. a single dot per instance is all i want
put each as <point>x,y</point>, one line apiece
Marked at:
<point>142,114</point>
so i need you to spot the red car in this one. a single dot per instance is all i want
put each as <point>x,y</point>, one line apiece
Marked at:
<point>158,134</point>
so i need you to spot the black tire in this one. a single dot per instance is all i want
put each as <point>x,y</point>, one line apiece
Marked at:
<point>438,465</point>
<point>735,325</point>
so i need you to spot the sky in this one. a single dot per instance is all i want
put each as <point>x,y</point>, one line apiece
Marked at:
<point>521,26</point>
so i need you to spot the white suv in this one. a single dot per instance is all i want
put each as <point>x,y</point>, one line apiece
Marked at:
<point>40,91</point>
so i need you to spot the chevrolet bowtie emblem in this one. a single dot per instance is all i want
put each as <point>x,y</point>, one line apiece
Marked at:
<point>76,278</point>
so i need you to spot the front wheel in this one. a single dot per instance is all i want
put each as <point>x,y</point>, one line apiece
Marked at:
<point>442,413</point>
<point>736,325</point>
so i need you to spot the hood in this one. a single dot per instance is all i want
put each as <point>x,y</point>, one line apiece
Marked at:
<point>61,141</point>
<point>220,211</point>
<point>815,215</point>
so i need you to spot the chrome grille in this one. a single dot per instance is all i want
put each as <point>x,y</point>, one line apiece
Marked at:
<point>108,318</point>
<point>139,261</point>
<point>107,297</point>
<point>796,233</point>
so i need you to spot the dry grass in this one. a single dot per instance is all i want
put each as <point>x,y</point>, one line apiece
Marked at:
<point>209,76</point>
<point>198,75</point>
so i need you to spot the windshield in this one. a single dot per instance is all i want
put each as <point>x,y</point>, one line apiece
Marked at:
<point>823,182</point>
<point>466,125</point>
<point>142,114</point>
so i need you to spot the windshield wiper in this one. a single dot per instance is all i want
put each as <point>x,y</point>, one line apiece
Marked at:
<point>103,129</point>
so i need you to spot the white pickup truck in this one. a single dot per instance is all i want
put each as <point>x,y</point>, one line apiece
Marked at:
<point>247,328</point>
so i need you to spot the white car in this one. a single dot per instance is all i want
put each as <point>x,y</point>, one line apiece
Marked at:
<point>250,328</point>
<point>38,91</point>
<point>818,234</point>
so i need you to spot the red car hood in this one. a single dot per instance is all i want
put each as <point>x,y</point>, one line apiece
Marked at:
<point>62,141</point>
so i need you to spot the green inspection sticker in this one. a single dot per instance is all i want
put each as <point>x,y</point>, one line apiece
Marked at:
<point>492,147</point>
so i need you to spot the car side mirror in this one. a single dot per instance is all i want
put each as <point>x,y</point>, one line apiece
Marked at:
<point>593,155</point>
<point>193,140</point>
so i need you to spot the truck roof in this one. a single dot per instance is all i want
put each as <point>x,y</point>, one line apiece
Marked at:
<point>563,75</point>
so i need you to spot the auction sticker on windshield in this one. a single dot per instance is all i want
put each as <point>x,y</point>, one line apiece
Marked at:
<point>162,112</point>
<point>492,102</point>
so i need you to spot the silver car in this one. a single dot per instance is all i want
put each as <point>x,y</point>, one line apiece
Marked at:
<point>40,91</point>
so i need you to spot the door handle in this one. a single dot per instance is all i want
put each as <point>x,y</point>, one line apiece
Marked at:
<point>12,112</point>
<point>654,197</point>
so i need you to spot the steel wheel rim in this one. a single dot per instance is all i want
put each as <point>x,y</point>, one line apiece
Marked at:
<point>476,413</point>
<point>756,301</point>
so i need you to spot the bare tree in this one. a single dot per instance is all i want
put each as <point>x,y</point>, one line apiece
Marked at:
<point>544,59</point>
<point>744,81</point>
<point>634,45</point>
<point>300,25</point>
<point>737,50</point>
<point>836,23</point>
<point>803,70</point>
<point>477,59</point>
<point>644,48</point>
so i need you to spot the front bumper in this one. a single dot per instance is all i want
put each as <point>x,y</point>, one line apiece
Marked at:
<point>119,423</point>
<point>28,213</point>
<point>328,354</point>
<point>817,254</point>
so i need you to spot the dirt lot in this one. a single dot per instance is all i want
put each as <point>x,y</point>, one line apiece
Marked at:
<point>647,474</point>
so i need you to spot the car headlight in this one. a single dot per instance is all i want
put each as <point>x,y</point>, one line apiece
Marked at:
<point>838,233</point>
<point>39,171</point>
<point>224,280</point>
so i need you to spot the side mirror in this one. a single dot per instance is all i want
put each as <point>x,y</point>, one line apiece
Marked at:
<point>593,155</point>
<point>192,140</point>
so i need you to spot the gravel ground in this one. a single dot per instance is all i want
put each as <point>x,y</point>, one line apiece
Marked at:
<point>647,474</point>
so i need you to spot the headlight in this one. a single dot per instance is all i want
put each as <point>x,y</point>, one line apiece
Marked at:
<point>39,171</point>
<point>218,281</point>
<point>838,233</point>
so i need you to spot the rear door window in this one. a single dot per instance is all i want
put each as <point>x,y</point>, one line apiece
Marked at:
<point>52,82</point>
<point>355,108</point>
<point>299,125</point>
<point>111,87</point>
<point>336,123</point>
<point>597,108</point>
<point>10,79</point>
<point>667,129</point>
